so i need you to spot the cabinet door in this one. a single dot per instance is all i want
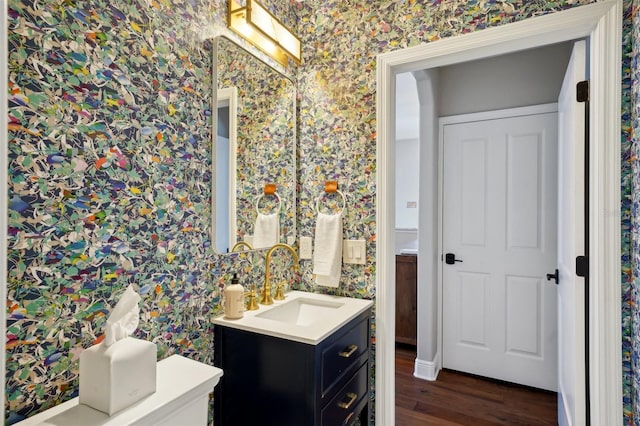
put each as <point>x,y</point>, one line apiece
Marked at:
<point>267,381</point>
<point>406,307</point>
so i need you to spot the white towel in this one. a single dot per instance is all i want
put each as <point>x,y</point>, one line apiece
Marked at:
<point>266,231</point>
<point>327,254</point>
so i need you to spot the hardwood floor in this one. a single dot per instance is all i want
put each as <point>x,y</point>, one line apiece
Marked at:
<point>463,399</point>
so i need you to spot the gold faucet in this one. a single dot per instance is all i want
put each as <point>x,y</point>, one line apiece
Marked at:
<point>240,244</point>
<point>252,305</point>
<point>265,297</point>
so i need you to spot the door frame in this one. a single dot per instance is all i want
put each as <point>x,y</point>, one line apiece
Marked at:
<point>4,171</point>
<point>548,108</point>
<point>601,22</point>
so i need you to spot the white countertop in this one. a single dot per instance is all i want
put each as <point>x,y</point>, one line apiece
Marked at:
<point>312,333</point>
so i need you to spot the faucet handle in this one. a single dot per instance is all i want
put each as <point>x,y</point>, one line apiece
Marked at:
<point>279,292</point>
<point>253,299</point>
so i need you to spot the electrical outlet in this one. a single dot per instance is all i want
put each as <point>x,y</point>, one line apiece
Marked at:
<point>306,250</point>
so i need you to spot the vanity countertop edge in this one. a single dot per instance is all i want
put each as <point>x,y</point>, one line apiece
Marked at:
<point>313,335</point>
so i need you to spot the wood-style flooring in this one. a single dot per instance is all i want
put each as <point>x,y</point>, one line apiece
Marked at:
<point>463,399</point>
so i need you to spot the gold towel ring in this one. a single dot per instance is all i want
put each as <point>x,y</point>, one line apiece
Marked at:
<point>344,201</point>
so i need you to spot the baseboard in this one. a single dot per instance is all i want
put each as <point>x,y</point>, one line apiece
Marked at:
<point>563,414</point>
<point>427,370</point>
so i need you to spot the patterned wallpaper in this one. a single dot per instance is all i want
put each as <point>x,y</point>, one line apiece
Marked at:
<point>110,158</point>
<point>337,138</point>
<point>109,120</point>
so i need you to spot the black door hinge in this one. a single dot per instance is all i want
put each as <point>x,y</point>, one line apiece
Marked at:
<point>582,266</point>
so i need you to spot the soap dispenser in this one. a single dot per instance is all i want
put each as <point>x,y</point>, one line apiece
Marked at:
<point>234,299</point>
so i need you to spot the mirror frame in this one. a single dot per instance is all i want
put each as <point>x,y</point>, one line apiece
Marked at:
<point>230,95</point>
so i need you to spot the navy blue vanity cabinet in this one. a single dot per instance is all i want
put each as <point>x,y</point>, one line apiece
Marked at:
<point>274,381</point>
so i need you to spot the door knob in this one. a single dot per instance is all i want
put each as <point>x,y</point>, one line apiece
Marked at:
<point>450,259</point>
<point>555,276</point>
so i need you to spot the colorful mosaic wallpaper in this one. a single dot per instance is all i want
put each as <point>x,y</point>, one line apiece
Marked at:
<point>266,137</point>
<point>109,118</point>
<point>337,138</point>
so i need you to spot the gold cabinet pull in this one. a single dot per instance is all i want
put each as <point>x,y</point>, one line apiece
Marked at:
<point>347,404</point>
<point>347,421</point>
<point>348,351</point>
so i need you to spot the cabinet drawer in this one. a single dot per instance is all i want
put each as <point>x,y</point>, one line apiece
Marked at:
<point>343,409</point>
<point>344,355</point>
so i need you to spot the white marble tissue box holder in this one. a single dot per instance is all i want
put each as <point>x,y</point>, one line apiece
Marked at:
<point>115,377</point>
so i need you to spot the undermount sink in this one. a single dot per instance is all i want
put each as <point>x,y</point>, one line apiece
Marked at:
<point>301,317</point>
<point>302,311</point>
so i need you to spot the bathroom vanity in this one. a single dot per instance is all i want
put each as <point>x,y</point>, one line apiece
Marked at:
<point>275,378</point>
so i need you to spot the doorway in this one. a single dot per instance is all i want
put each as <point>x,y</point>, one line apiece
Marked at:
<point>513,306</point>
<point>500,82</point>
<point>601,23</point>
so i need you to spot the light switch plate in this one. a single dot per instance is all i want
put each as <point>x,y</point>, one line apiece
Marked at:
<point>306,250</point>
<point>354,251</point>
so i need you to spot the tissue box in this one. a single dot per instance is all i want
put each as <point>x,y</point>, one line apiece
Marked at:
<point>114,377</point>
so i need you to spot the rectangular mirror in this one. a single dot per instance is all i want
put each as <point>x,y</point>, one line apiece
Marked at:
<point>254,145</point>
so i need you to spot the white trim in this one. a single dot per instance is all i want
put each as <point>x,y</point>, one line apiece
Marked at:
<point>4,170</point>
<point>605,210</point>
<point>407,230</point>
<point>563,414</point>
<point>498,113</point>
<point>427,370</point>
<point>385,383</point>
<point>570,24</point>
<point>601,22</point>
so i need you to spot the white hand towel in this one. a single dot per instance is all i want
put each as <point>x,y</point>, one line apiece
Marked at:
<point>327,254</point>
<point>266,231</point>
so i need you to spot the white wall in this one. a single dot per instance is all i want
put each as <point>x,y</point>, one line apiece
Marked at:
<point>407,107</point>
<point>525,78</point>
<point>428,93</point>
<point>407,180</point>
<point>406,241</point>
<point>407,163</point>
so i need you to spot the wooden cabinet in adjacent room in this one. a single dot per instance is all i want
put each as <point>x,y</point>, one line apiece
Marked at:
<point>406,295</point>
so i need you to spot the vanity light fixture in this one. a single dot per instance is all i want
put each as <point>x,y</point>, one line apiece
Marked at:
<point>258,26</point>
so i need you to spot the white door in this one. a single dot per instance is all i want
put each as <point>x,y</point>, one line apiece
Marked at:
<point>499,220</point>
<point>571,364</point>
